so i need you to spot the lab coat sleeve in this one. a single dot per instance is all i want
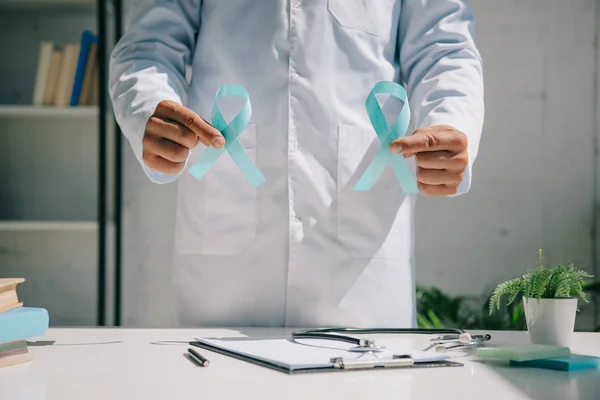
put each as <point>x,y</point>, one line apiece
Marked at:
<point>443,70</point>
<point>148,65</point>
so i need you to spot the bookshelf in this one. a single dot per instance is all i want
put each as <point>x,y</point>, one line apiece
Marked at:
<point>52,6</point>
<point>20,226</point>
<point>57,159</point>
<point>37,5</point>
<point>47,112</point>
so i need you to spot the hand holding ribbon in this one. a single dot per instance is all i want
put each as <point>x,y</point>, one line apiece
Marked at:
<point>230,132</point>
<point>171,132</point>
<point>441,152</point>
<point>441,156</point>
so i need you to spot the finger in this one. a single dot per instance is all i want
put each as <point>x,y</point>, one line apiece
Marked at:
<point>159,164</point>
<point>429,139</point>
<point>172,131</point>
<point>437,190</point>
<point>442,160</point>
<point>165,148</point>
<point>438,177</point>
<point>191,120</point>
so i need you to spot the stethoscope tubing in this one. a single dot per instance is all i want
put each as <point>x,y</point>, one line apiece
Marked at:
<point>331,333</point>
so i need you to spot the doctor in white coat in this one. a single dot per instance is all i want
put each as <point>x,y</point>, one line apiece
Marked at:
<point>303,249</point>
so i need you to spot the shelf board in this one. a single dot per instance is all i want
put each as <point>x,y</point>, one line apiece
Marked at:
<point>48,5</point>
<point>25,111</point>
<point>48,225</point>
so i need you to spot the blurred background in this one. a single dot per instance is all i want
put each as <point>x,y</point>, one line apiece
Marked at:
<point>79,219</point>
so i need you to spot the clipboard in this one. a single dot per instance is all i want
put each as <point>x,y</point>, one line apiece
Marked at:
<point>247,350</point>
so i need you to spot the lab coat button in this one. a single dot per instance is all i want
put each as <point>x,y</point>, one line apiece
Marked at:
<point>296,4</point>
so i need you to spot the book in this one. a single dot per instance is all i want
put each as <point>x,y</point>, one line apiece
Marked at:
<point>8,293</point>
<point>53,74</point>
<point>13,353</point>
<point>23,323</point>
<point>85,98</point>
<point>85,45</point>
<point>43,69</point>
<point>64,86</point>
<point>93,100</point>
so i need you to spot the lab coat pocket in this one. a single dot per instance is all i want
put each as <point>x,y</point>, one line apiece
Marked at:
<point>367,221</point>
<point>370,16</point>
<point>229,218</point>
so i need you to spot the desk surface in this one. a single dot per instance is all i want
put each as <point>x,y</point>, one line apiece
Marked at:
<point>123,364</point>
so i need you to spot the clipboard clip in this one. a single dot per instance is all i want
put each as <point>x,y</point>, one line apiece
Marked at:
<point>396,361</point>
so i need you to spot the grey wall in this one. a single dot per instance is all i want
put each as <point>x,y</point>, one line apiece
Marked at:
<point>535,175</point>
<point>535,178</point>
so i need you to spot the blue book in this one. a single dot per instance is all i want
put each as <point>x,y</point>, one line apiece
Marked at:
<point>23,323</point>
<point>87,39</point>
<point>574,362</point>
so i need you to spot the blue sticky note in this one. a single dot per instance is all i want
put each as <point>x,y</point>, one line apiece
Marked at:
<point>575,362</point>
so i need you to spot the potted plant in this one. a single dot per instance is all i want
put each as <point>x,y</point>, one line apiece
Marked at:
<point>550,301</point>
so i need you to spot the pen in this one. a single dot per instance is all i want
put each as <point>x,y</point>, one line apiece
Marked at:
<point>198,358</point>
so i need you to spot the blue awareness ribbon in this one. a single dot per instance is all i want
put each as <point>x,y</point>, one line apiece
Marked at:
<point>387,135</point>
<point>230,132</point>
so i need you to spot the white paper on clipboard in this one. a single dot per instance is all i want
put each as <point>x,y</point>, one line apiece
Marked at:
<point>312,353</point>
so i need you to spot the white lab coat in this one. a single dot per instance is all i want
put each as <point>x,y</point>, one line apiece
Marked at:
<point>303,249</point>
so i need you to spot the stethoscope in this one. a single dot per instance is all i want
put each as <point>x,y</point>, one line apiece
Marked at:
<point>450,338</point>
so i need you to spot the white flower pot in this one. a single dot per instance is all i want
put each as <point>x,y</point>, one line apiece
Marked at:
<point>550,321</point>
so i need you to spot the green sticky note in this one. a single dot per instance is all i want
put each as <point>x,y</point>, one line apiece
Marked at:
<point>524,352</point>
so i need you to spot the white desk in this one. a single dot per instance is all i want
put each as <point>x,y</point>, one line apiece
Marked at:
<point>135,369</point>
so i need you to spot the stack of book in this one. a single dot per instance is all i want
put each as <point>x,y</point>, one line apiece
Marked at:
<point>67,75</point>
<point>17,324</point>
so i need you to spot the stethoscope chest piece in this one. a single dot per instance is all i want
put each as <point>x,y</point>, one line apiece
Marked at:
<point>367,345</point>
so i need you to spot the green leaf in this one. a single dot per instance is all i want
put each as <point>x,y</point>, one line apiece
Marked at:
<point>541,283</point>
<point>555,279</point>
<point>435,320</point>
<point>511,288</point>
<point>423,322</point>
